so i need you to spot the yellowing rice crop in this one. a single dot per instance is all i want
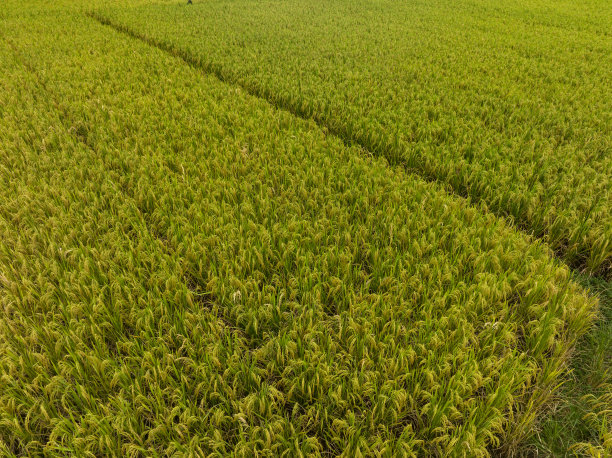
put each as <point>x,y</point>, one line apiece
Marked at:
<point>187,269</point>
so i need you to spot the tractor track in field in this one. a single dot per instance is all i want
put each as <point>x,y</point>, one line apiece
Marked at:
<point>278,102</point>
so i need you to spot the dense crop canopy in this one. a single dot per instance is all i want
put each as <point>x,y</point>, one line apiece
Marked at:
<point>507,103</point>
<point>186,269</point>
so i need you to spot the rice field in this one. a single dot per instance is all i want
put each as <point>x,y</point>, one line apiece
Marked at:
<point>303,228</point>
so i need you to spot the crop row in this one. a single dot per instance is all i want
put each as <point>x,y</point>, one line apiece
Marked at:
<point>506,104</point>
<point>186,269</point>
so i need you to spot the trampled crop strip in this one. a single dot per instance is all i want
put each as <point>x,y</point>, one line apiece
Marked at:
<point>393,155</point>
<point>210,69</point>
<point>280,103</point>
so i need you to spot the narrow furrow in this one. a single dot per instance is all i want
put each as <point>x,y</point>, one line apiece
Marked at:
<point>370,144</point>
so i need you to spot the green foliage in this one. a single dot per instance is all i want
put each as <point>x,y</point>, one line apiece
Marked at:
<point>187,270</point>
<point>579,421</point>
<point>506,103</point>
